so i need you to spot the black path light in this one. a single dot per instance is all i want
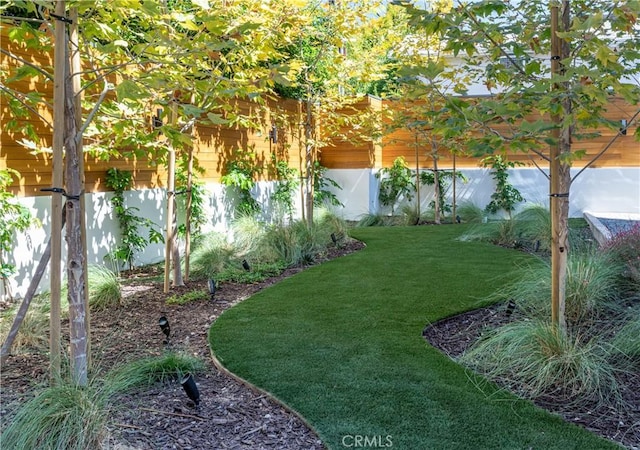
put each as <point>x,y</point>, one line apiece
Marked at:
<point>189,385</point>
<point>334,238</point>
<point>165,327</point>
<point>245,265</point>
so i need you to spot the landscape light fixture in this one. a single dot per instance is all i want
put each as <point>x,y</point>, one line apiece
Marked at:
<point>623,127</point>
<point>334,238</point>
<point>246,265</point>
<point>273,134</point>
<point>164,326</point>
<point>212,287</point>
<point>458,219</point>
<point>191,389</point>
<point>511,306</point>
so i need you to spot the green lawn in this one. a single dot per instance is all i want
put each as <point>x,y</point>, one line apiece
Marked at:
<point>342,344</point>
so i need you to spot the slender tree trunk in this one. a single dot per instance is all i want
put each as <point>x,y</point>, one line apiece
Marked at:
<point>560,177</point>
<point>76,68</point>
<point>57,181</point>
<point>417,183</point>
<point>169,253</point>
<point>309,159</point>
<point>436,178</point>
<point>453,207</point>
<point>187,249</point>
<point>76,262</point>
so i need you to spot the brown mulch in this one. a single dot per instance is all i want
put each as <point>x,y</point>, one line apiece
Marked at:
<point>230,414</point>
<point>456,334</point>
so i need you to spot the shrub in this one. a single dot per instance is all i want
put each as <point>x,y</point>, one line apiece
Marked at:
<point>625,248</point>
<point>626,343</point>
<point>533,226</point>
<point>211,254</point>
<point>541,361</point>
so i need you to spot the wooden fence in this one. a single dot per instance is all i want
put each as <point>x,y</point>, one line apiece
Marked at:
<point>215,146</point>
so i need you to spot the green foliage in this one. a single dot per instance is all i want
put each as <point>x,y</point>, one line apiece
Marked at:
<point>104,288</point>
<point>533,227</point>
<point>537,360</point>
<point>625,345</point>
<point>192,296</point>
<point>395,181</point>
<point>34,330</point>
<point>505,196</point>
<point>445,178</point>
<point>322,196</point>
<point>240,174</point>
<point>148,371</point>
<point>287,184</point>
<point>65,416</point>
<point>211,254</point>
<point>198,194</point>
<point>131,239</point>
<point>470,213</point>
<point>624,247</point>
<point>371,220</point>
<point>13,218</point>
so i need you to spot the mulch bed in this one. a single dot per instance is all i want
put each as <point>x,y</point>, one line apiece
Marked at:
<point>454,335</point>
<point>230,414</point>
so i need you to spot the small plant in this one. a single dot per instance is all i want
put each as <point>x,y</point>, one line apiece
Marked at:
<point>198,195</point>
<point>192,296</point>
<point>148,371</point>
<point>470,213</point>
<point>371,220</point>
<point>625,248</point>
<point>104,288</point>
<point>286,187</point>
<point>131,239</point>
<point>445,178</point>
<point>626,343</point>
<point>533,226</point>
<point>241,173</point>
<point>321,195</point>
<point>395,181</point>
<point>506,196</point>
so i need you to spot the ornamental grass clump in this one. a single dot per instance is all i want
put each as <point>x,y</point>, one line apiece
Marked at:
<point>104,288</point>
<point>591,289</point>
<point>537,360</point>
<point>148,371</point>
<point>65,416</point>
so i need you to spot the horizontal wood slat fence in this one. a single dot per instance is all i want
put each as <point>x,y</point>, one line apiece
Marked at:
<point>215,146</point>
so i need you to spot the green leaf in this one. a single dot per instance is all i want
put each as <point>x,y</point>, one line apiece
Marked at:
<point>536,127</point>
<point>217,119</point>
<point>128,90</point>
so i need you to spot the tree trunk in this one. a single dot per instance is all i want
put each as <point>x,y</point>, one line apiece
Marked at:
<point>436,178</point>
<point>76,262</point>
<point>560,177</point>
<point>57,181</point>
<point>417,183</point>
<point>309,161</point>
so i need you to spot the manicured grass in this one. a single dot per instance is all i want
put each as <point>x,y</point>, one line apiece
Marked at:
<point>342,344</point>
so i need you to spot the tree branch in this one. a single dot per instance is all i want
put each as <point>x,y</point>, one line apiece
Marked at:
<point>43,72</point>
<point>11,93</point>
<point>602,152</point>
<point>93,112</point>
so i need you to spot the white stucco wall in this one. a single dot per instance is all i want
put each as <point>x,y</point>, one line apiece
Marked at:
<point>602,190</point>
